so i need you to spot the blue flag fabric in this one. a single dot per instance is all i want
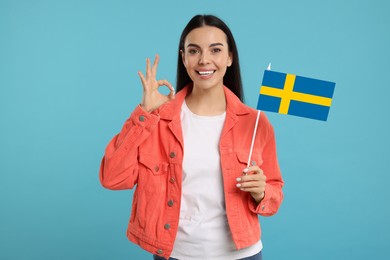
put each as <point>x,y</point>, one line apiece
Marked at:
<point>295,95</point>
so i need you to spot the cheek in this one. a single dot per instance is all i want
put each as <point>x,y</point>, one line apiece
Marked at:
<point>224,61</point>
<point>188,62</point>
<point>184,62</point>
<point>189,66</point>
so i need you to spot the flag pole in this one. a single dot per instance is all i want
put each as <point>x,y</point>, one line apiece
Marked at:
<point>253,138</point>
<point>255,130</point>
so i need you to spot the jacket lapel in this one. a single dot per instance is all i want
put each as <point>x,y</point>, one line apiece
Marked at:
<point>234,109</point>
<point>171,112</point>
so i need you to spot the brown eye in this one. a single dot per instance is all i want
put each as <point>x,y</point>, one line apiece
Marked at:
<point>193,51</point>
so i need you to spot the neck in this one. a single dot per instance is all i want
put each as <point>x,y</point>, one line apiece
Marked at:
<point>207,102</point>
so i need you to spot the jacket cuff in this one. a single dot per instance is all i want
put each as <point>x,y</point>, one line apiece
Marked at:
<point>143,118</point>
<point>262,206</point>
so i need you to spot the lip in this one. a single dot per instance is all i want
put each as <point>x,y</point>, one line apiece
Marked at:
<point>205,74</point>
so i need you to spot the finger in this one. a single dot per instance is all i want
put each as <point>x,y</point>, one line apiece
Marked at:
<point>148,71</point>
<point>172,93</point>
<point>163,82</point>
<point>255,190</point>
<point>142,78</point>
<point>252,177</point>
<point>255,169</point>
<point>171,88</point>
<point>155,65</point>
<point>252,184</point>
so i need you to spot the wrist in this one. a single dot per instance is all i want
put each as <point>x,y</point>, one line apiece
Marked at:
<point>146,109</point>
<point>259,197</point>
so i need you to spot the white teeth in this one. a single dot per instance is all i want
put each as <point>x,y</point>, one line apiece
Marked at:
<point>206,72</point>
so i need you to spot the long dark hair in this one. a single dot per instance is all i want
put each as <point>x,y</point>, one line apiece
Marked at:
<point>232,78</point>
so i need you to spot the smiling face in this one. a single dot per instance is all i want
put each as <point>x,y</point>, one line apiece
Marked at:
<point>206,56</point>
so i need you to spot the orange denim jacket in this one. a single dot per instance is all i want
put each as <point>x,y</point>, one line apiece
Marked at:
<point>149,152</point>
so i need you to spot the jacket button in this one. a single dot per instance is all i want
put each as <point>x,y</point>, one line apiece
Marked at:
<point>159,251</point>
<point>156,168</point>
<point>172,155</point>
<point>263,207</point>
<point>170,203</point>
<point>172,180</point>
<point>167,226</point>
<point>141,118</point>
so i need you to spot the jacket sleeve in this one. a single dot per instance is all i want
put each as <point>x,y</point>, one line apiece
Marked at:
<point>119,166</point>
<point>270,204</point>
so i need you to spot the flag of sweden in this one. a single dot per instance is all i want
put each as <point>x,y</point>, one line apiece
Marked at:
<point>295,95</point>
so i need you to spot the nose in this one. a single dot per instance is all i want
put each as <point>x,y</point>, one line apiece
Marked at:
<point>204,58</point>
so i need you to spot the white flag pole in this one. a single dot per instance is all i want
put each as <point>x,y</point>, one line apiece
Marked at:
<point>253,138</point>
<point>255,130</point>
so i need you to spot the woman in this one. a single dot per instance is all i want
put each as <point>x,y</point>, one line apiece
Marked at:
<point>187,152</point>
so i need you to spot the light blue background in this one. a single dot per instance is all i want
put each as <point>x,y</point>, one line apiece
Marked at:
<point>68,80</point>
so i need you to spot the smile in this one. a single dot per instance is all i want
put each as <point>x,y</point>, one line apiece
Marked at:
<point>206,73</point>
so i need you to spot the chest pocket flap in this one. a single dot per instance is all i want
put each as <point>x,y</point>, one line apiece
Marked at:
<point>243,158</point>
<point>153,165</point>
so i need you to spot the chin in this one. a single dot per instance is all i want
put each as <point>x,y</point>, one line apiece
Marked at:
<point>207,85</point>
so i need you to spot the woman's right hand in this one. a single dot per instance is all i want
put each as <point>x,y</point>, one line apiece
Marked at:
<point>152,98</point>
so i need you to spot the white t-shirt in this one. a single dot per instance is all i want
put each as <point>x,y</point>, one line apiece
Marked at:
<point>203,227</point>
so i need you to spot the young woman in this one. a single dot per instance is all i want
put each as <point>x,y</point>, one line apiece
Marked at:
<point>187,154</point>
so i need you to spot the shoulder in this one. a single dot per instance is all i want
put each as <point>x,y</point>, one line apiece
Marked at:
<point>248,113</point>
<point>264,127</point>
<point>172,108</point>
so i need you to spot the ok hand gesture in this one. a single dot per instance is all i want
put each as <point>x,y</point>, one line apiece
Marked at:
<point>152,98</point>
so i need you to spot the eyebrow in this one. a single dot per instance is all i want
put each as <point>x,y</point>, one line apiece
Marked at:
<point>211,45</point>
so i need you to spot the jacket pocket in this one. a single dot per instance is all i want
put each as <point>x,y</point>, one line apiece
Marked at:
<point>243,159</point>
<point>153,165</point>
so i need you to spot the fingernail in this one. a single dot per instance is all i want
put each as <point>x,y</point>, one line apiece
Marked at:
<point>238,179</point>
<point>238,185</point>
<point>246,170</point>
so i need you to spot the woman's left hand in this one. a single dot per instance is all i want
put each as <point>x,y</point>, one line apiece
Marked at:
<point>254,182</point>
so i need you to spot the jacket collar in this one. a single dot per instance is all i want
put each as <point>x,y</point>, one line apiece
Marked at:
<point>170,110</point>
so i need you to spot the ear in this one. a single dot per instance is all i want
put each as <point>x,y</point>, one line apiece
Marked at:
<point>230,59</point>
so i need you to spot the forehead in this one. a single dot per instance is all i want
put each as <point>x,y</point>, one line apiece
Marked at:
<point>206,35</point>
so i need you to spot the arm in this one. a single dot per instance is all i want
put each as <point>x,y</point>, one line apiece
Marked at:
<point>265,183</point>
<point>119,167</point>
<point>273,194</point>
